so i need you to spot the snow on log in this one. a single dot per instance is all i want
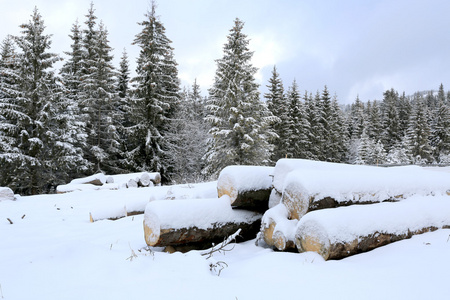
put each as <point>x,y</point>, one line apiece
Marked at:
<point>341,232</point>
<point>275,198</point>
<point>132,183</point>
<point>6,194</point>
<point>144,180</point>
<point>96,179</point>
<point>182,222</point>
<point>112,213</point>
<point>342,185</point>
<point>269,221</point>
<point>71,187</point>
<point>286,165</point>
<point>248,187</point>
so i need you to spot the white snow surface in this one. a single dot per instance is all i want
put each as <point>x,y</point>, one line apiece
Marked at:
<point>52,251</point>
<point>248,178</point>
<point>345,224</point>
<point>200,213</point>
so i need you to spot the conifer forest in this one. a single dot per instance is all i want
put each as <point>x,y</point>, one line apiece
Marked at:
<point>90,116</point>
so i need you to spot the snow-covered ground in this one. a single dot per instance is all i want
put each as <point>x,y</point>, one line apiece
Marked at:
<point>52,251</point>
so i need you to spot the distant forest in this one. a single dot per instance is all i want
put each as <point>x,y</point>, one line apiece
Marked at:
<point>91,116</point>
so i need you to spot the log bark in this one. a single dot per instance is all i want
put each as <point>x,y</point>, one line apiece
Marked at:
<point>196,222</point>
<point>339,233</point>
<point>248,187</point>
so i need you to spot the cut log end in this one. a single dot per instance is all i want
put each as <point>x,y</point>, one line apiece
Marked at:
<point>296,200</point>
<point>311,236</point>
<point>267,231</point>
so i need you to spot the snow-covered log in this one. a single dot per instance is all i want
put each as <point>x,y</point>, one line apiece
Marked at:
<point>132,183</point>
<point>313,189</point>
<point>96,179</point>
<point>341,232</point>
<point>248,187</point>
<point>6,194</point>
<point>73,187</point>
<point>182,222</point>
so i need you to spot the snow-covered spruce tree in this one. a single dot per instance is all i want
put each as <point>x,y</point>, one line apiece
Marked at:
<point>123,111</point>
<point>418,133</point>
<point>357,119</point>
<point>441,131</point>
<point>338,136</point>
<point>9,111</point>
<point>279,107</point>
<point>155,99</point>
<point>374,126</point>
<point>71,79</point>
<point>391,121</point>
<point>314,115</point>
<point>189,134</point>
<point>39,153</point>
<point>324,132</point>
<point>98,98</point>
<point>298,124</point>
<point>240,121</point>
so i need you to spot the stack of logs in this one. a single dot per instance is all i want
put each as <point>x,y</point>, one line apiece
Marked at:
<point>187,224</point>
<point>300,217</point>
<point>306,206</point>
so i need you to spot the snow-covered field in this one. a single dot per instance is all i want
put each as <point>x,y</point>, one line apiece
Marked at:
<point>52,251</point>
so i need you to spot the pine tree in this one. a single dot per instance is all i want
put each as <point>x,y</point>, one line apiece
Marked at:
<point>240,121</point>
<point>9,110</point>
<point>418,133</point>
<point>41,153</point>
<point>279,107</point>
<point>358,119</point>
<point>314,112</point>
<point>190,133</point>
<point>299,125</point>
<point>71,80</point>
<point>391,120</point>
<point>155,98</point>
<point>374,125</point>
<point>441,131</point>
<point>338,137</point>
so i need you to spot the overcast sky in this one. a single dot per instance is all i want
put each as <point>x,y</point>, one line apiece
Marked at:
<point>354,47</point>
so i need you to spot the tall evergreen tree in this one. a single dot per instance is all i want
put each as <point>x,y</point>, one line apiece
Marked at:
<point>98,97</point>
<point>374,125</point>
<point>189,133</point>
<point>298,124</point>
<point>418,133</point>
<point>240,121</point>
<point>39,146</point>
<point>391,119</point>
<point>441,131</point>
<point>279,107</point>
<point>155,98</point>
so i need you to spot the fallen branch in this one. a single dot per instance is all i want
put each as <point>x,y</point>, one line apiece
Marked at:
<point>221,247</point>
<point>10,222</point>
